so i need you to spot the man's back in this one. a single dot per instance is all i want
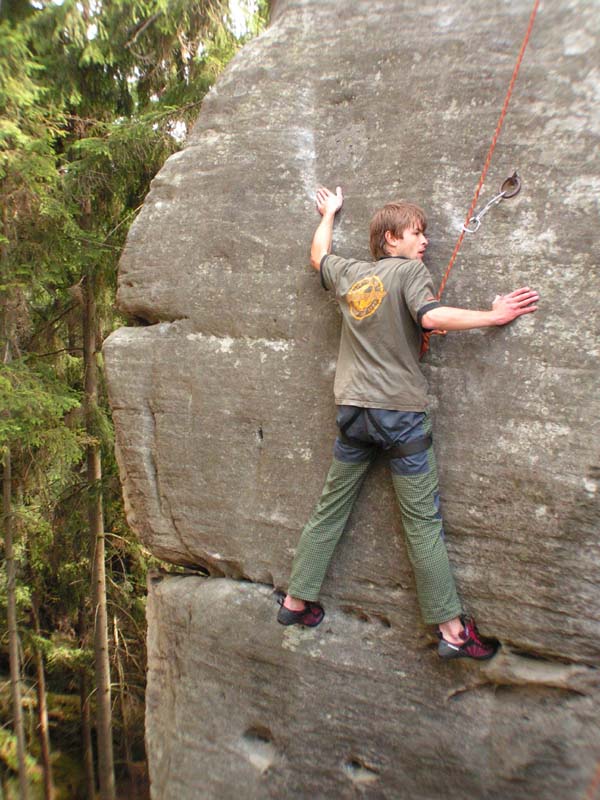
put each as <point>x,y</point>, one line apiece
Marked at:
<point>378,362</point>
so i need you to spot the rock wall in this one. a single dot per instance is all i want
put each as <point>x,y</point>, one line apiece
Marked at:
<point>224,416</point>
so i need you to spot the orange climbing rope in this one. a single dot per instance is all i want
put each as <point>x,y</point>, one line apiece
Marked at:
<point>592,789</point>
<point>486,166</point>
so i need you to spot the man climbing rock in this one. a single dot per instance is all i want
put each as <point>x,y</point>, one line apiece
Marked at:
<point>381,397</point>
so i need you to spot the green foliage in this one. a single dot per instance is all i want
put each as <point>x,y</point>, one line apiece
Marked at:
<point>8,755</point>
<point>94,96</point>
<point>59,653</point>
<point>35,403</point>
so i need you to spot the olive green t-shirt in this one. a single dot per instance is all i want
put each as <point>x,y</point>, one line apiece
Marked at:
<point>382,303</point>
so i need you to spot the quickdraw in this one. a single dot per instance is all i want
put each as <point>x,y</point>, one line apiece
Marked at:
<point>510,187</point>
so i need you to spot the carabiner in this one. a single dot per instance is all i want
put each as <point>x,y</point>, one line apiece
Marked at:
<point>477,222</point>
<point>509,188</point>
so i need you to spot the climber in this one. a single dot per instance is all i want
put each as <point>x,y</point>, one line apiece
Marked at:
<point>381,398</point>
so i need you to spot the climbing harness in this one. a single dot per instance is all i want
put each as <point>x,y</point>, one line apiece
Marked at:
<point>393,450</point>
<point>472,218</point>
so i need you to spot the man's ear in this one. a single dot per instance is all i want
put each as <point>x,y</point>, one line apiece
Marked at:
<point>391,238</point>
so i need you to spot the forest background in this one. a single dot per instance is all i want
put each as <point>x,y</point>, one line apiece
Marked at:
<point>94,96</point>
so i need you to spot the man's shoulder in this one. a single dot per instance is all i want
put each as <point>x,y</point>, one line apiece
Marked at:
<point>334,264</point>
<point>335,257</point>
<point>399,264</point>
<point>401,269</point>
<point>338,270</point>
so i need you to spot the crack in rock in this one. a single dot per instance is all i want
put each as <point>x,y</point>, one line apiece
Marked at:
<point>359,772</point>
<point>510,669</point>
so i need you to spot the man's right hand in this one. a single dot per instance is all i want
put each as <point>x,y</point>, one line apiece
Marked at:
<point>328,202</point>
<point>510,306</point>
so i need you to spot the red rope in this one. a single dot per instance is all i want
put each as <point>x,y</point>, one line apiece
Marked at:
<point>486,166</point>
<point>595,783</point>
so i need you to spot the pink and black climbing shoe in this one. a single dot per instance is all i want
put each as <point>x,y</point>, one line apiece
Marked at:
<point>473,645</point>
<point>311,615</point>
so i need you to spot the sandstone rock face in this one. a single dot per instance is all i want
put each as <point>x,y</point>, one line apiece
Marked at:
<point>224,412</point>
<point>238,707</point>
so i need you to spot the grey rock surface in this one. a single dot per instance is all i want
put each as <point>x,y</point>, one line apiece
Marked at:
<point>238,706</point>
<point>223,402</point>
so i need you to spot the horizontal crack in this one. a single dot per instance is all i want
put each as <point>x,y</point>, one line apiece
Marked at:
<point>508,668</point>
<point>224,339</point>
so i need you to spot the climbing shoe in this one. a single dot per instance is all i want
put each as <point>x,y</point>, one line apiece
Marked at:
<point>473,645</point>
<point>311,615</point>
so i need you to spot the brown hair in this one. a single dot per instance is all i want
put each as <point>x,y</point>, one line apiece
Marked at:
<point>394,217</point>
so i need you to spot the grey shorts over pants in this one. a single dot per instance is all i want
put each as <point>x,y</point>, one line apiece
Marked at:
<point>416,486</point>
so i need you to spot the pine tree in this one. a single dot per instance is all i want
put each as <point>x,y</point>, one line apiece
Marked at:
<point>93,98</point>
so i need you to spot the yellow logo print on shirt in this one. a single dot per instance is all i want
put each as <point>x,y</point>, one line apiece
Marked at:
<point>364,297</point>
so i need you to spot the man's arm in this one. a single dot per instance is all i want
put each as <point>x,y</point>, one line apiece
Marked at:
<point>504,309</point>
<point>328,204</point>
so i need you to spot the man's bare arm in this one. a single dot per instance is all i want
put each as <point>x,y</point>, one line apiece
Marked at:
<point>504,309</point>
<point>328,204</point>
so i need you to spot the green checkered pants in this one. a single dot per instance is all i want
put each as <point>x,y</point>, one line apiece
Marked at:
<point>416,489</point>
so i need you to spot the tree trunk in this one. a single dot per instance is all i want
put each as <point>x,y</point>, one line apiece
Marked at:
<point>86,717</point>
<point>127,753</point>
<point>106,771</point>
<point>43,729</point>
<point>13,633</point>
<point>86,726</point>
<point>9,527</point>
